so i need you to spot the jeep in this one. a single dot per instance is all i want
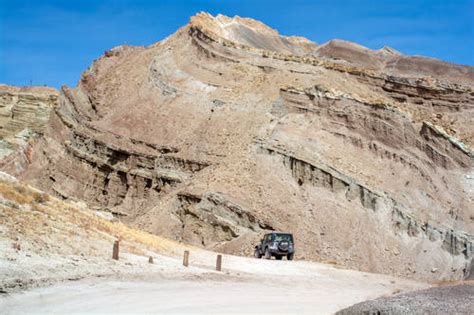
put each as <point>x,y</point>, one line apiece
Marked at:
<point>277,245</point>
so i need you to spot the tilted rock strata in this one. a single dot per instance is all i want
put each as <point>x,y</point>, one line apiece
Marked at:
<point>455,242</point>
<point>27,107</point>
<point>24,115</point>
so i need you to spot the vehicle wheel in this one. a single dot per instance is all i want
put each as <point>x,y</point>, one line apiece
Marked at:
<point>268,255</point>
<point>278,257</point>
<point>289,256</point>
<point>257,253</point>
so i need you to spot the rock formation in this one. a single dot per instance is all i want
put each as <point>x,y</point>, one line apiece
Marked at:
<point>226,130</point>
<point>24,115</point>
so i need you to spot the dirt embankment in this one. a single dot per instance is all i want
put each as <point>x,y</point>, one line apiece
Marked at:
<point>456,299</point>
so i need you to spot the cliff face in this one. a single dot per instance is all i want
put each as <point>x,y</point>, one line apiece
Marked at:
<point>226,130</point>
<point>24,115</point>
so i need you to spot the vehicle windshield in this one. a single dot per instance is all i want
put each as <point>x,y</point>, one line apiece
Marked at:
<point>283,237</point>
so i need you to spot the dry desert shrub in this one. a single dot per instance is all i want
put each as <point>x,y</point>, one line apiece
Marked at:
<point>40,197</point>
<point>17,194</point>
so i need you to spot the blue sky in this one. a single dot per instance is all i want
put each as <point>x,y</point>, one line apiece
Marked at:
<point>52,42</point>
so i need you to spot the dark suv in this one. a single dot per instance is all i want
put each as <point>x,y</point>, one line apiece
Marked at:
<point>276,244</point>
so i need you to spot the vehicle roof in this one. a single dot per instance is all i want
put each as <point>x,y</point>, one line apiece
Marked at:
<point>279,233</point>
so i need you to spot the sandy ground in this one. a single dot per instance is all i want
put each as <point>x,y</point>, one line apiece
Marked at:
<point>245,286</point>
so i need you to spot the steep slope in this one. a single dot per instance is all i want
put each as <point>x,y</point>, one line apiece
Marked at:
<point>226,130</point>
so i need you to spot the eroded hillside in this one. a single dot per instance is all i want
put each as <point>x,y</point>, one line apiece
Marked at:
<point>226,130</point>
<point>24,115</point>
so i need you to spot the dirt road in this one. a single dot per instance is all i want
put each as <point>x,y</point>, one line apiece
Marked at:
<point>246,286</point>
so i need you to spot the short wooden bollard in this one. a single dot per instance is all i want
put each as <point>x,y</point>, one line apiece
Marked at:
<point>150,260</point>
<point>186,258</point>
<point>219,263</point>
<point>115,253</point>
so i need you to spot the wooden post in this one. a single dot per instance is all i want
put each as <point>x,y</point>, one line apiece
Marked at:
<point>150,260</point>
<point>186,258</point>
<point>219,263</point>
<point>115,253</point>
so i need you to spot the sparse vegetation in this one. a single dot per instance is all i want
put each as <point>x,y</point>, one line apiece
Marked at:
<point>40,197</point>
<point>43,215</point>
<point>15,193</point>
